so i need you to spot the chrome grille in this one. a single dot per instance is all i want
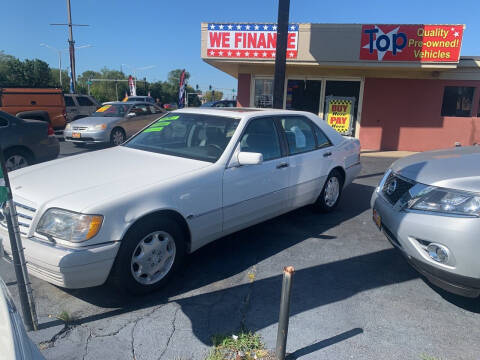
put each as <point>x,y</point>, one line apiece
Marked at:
<point>395,187</point>
<point>25,216</point>
<point>79,127</point>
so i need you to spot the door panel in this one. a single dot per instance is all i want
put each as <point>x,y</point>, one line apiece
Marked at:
<point>254,193</point>
<point>308,165</point>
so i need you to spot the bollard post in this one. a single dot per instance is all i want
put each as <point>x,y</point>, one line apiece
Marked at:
<point>282,333</point>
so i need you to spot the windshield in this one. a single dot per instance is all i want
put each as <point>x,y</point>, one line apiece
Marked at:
<point>194,136</point>
<point>112,110</point>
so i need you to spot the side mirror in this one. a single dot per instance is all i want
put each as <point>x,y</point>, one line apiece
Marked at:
<point>249,158</point>
<point>130,115</point>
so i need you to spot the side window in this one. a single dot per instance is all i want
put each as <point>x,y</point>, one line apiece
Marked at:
<point>140,110</point>
<point>154,109</point>
<point>261,137</point>
<point>84,101</point>
<point>3,122</point>
<point>457,101</point>
<point>69,101</point>
<point>299,133</point>
<point>322,139</point>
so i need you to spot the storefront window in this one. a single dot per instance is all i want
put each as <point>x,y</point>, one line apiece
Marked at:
<point>303,95</point>
<point>263,93</point>
<point>457,101</point>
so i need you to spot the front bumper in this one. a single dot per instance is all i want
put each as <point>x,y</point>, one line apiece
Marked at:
<point>411,231</point>
<point>66,267</point>
<point>87,136</point>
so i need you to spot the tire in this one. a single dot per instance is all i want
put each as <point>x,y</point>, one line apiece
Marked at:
<point>117,136</point>
<point>17,158</point>
<point>138,274</point>
<point>331,192</point>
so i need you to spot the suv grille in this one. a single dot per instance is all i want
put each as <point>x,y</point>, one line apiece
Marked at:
<point>25,217</point>
<point>395,187</point>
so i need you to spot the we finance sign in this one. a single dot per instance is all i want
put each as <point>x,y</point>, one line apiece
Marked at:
<point>421,43</point>
<point>249,41</point>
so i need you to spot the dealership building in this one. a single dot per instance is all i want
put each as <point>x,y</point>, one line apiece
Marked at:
<point>395,87</point>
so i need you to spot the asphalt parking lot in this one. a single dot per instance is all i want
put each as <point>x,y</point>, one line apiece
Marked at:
<point>354,296</point>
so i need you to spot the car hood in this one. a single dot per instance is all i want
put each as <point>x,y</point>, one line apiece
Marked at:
<point>456,168</point>
<point>95,120</point>
<point>81,181</point>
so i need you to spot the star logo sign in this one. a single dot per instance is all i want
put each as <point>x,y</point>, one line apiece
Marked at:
<point>392,41</point>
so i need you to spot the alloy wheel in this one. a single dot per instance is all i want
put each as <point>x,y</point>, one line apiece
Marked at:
<point>332,191</point>
<point>118,137</point>
<point>15,162</point>
<point>153,257</point>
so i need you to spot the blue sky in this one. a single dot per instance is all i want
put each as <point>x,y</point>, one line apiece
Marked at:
<point>167,33</point>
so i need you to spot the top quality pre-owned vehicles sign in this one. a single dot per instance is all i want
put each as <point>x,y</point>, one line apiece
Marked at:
<point>420,43</point>
<point>249,41</point>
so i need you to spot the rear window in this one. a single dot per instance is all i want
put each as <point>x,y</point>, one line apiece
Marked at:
<point>84,101</point>
<point>69,101</point>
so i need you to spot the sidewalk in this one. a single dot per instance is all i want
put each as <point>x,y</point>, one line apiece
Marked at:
<point>386,154</point>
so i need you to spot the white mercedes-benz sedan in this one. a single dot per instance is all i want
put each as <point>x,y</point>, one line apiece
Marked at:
<point>131,213</point>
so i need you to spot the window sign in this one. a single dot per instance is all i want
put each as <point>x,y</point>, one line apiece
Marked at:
<point>339,113</point>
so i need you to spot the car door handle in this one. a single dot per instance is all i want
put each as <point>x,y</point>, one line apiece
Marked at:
<point>282,165</point>
<point>327,154</point>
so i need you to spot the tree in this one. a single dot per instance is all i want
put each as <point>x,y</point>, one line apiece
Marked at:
<point>209,96</point>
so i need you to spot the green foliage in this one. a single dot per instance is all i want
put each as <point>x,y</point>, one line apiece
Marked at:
<point>209,95</point>
<point>229,346</point>
<point>37,74</point>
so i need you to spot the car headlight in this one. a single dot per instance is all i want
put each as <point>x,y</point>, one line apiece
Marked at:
<point>68,127</point>
<point>70,226</point>
<point>446,201</point>
<point>100,127</point>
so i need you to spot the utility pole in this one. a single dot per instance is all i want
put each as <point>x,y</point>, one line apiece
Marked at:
<point>281,53</point>
<point>71,47</point>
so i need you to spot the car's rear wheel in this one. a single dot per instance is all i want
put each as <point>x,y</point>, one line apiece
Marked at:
<point>17,159</point>
<point>331,192</point>
<point>117,137</point>
<point>150,253</point>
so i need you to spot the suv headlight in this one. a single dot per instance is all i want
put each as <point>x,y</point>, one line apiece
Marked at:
<point>446,201</point>
<point>70,226</point>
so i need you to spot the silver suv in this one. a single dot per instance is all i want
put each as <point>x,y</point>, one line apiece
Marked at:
<point>79,106</point>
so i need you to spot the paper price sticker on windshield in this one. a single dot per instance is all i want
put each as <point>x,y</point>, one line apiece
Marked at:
<point>103,108</point>
<point>339,114</point>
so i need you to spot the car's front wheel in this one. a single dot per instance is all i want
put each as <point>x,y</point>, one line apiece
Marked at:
<point>117,137</point>
<point>17,158</point>
<point>330,195</point>
<point>150,253</point>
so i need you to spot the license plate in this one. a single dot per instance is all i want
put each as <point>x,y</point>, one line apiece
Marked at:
<point>377,219</point>
<point>76,135</point>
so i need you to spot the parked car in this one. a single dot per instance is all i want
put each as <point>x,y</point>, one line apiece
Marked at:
<point>37,104</point>
<point>131,213</point>
<point>79,106</point>
<point>147,99</point>
<point>428,206</point>
<point>112,123</point>
<point>26,142</point>
<point>220,103</point>
<point>16,345</point>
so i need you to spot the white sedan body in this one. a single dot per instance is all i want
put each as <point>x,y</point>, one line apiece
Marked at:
<point>123,184</point>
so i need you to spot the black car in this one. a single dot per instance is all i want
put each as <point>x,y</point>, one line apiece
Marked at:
<point>26,142</point>
<point>220,103</point>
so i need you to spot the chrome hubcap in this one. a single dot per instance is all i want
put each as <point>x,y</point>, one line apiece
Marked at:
<point>332,191</point>
<point>15,162</point>
<point>117,137</point>
<point>153,257</point>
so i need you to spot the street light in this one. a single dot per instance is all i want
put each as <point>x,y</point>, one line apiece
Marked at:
<point>60,51</point>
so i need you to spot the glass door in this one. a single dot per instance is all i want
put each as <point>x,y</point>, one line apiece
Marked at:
<point>303,95</point>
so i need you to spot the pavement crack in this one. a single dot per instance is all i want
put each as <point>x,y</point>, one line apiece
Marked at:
<point>59,335</point>
<point>86,343</point>
<point>246,300</point>
<point>172,333</point>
